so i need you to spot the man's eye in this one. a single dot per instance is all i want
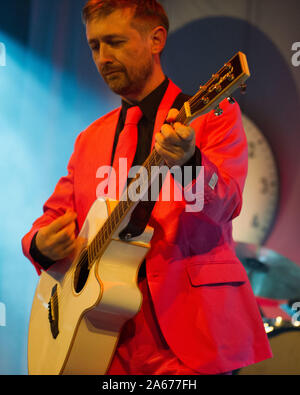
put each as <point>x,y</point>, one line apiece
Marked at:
<point>116,43</point>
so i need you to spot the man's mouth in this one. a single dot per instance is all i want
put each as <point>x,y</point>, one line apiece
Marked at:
<point>111,72</point>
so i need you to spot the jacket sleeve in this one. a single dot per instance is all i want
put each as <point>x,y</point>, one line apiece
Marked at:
<point>218,187</point>
<point>59,202</point>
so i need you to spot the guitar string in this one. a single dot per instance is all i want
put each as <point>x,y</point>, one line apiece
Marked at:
<point>119,211</point>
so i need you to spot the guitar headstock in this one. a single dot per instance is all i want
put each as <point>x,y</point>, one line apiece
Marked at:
<point>222,84</point>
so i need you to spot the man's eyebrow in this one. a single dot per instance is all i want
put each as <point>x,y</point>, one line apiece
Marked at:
<point>106,38</point>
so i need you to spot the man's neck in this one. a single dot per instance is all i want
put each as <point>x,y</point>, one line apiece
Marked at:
<point>154,81</point>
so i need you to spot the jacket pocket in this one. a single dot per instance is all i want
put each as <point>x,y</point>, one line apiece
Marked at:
<point>213,273</point>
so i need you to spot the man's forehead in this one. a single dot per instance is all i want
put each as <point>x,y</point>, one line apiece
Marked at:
<point>113,24</point>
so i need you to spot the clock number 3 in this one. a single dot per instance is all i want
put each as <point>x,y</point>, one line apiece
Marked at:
<point>296,316</point>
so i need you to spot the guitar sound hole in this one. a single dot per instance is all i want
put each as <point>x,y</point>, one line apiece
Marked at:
<point>82,272</point>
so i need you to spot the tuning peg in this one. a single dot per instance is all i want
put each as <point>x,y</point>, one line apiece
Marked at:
<point>243,88</point>
<point>218,88</point>
<point>231,100</point>
<point>218,111</point>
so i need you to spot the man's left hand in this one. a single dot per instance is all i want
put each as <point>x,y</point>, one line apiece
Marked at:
<point>175,143</point>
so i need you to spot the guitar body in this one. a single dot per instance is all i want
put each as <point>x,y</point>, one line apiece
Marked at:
<point>77,314</point>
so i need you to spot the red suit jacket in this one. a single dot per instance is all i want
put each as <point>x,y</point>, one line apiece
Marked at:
<point>203,300</point>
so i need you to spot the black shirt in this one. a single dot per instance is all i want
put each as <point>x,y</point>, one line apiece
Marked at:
<point>149,106</point>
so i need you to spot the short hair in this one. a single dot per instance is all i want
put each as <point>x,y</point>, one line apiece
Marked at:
<point>149,11</point>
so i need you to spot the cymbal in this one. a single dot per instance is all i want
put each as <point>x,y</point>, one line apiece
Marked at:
<point>271,275</point>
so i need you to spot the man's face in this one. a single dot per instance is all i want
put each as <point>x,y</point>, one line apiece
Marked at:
<point>122,55</point>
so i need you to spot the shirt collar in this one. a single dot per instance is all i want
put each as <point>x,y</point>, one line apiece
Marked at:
<point>149,105</point>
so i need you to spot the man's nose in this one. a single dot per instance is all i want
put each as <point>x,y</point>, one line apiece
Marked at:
<point>105,55</point>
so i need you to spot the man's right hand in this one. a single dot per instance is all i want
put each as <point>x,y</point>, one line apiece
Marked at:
<point>58,240</point>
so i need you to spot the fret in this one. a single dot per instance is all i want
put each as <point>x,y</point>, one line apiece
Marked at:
<point>90,258</point>
<point>112,220</point>
<point>93,250</point>
<point>96,245</point>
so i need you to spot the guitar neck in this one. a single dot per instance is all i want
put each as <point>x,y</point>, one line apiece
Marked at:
<point>120,211</point>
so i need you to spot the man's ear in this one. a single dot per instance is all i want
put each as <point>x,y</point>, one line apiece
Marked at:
<point>158,39</point>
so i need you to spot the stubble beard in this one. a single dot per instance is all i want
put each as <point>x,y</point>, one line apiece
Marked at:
<point>125,83</point>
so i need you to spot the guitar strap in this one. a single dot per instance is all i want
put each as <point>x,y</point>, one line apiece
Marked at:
<point>142,213</point>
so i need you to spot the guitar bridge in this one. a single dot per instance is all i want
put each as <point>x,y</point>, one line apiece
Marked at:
<point>53,312</point>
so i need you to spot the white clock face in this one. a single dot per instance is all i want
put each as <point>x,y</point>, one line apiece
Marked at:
<point>260,196</point>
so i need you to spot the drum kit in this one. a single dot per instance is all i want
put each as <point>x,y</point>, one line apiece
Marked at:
<point>275,281</point>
